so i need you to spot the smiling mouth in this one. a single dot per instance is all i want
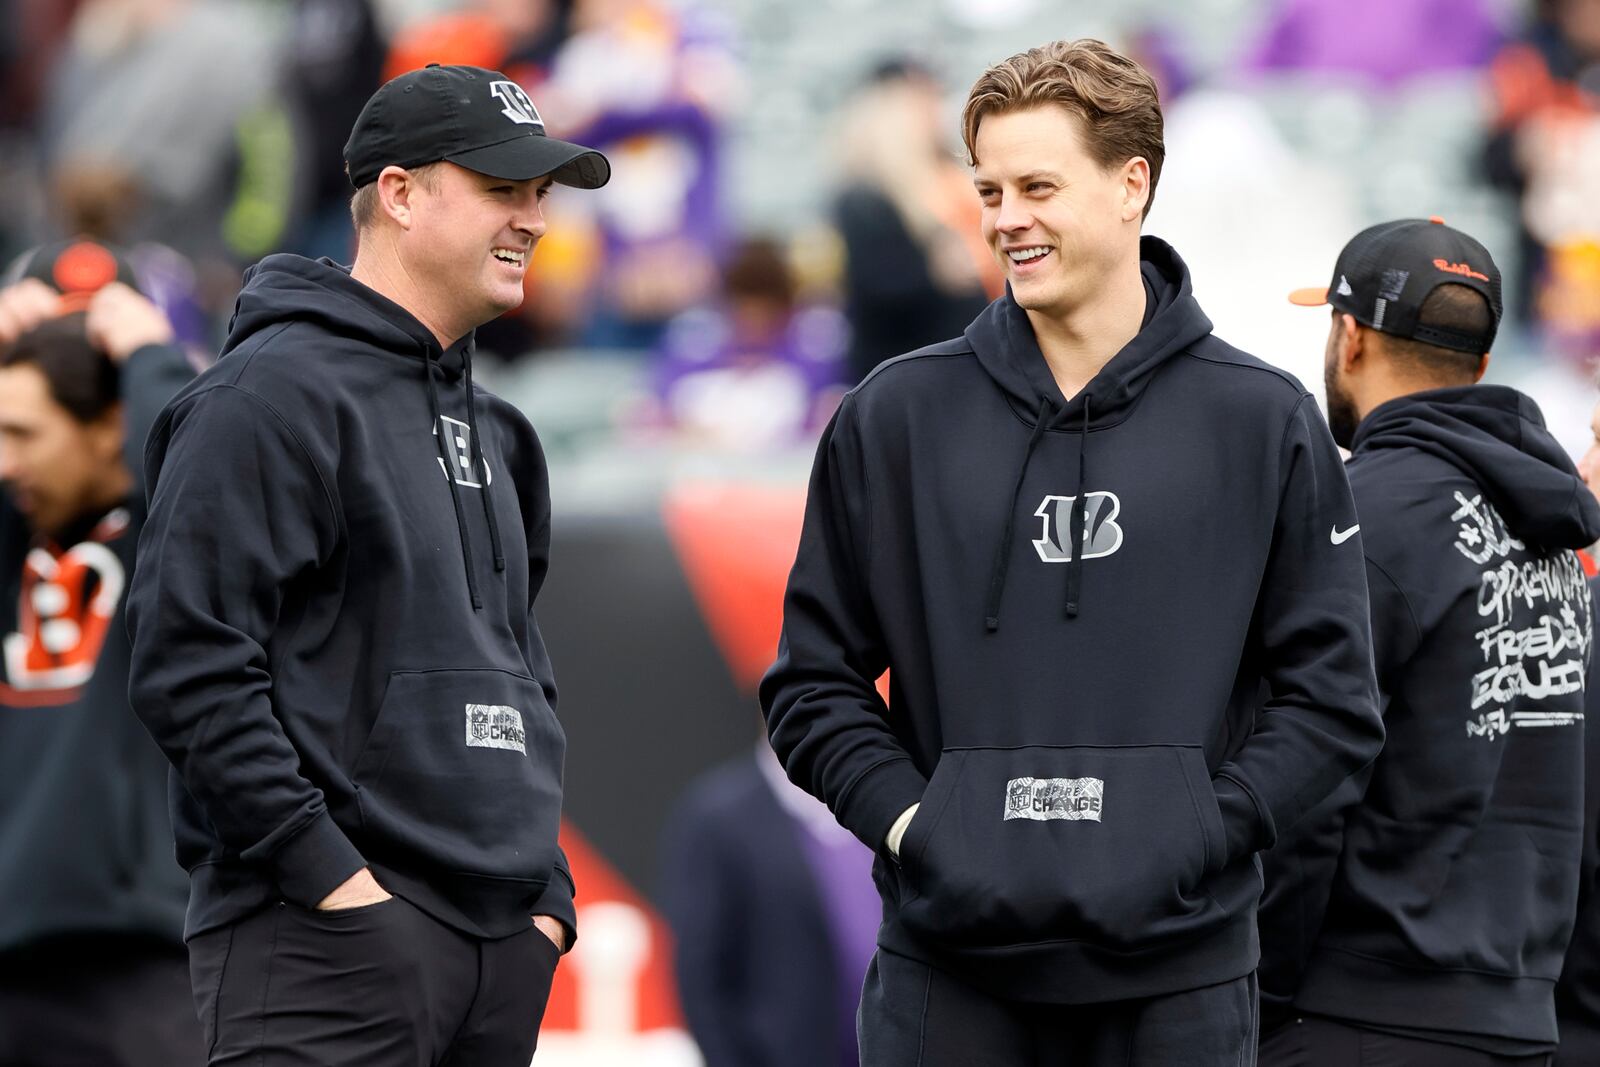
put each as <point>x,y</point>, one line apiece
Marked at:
<point>510,257</point>
<point>1028,255</point>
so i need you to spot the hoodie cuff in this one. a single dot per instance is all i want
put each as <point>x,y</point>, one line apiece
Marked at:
<point>872,804</point>
<point>1241,819</point>
<point>315,862</point>
<point>556,902</point>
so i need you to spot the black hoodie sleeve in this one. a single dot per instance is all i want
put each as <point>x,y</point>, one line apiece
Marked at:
<point>1321,723</point>
<point>557,899</point>
<point>238,512</point>
<point>150,377</point>
<point>824,715</point>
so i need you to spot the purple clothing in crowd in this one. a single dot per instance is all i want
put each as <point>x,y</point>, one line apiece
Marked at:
<point>1386,41</point>
<point>703,370</point>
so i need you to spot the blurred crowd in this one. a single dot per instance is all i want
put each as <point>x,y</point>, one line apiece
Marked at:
<point>201,135</point>
<point>193,137</point>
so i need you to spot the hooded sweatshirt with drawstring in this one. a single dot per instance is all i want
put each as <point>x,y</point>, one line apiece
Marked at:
<point>333,629</point>
<point>1081,601</point>
<point>1437,900</point>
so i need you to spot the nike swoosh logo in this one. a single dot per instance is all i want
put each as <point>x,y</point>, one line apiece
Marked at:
<point>1339,537</point>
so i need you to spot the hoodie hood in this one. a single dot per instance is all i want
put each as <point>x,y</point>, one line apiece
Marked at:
<point>288,288</point>
<point>1003,339</point>
<point>1496,436</point>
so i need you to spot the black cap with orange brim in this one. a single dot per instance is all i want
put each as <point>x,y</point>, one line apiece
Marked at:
<point>1386,272</point>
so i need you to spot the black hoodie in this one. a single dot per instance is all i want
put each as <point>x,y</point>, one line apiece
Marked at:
<point>1075,703</point>
<point>1578,992</point>
<point>334,639</point>
<point>1457,871</point>
<point>85,841</point>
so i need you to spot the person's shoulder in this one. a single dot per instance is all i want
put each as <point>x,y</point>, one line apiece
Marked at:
<point>1404,498</point>
<point>929,367</point>
<point>280,373</point>
<point>1237,371</point>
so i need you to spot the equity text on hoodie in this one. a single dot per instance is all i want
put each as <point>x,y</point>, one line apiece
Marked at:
<point>1080,601</point>
<point>1436,900</point>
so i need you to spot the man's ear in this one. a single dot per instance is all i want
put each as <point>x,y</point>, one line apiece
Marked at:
<point>1483,368</point>
<point>1135,188</point>
<point>1353,348</point>
<point>396,188</point>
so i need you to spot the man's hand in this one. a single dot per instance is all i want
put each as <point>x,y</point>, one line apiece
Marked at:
<point>359,890</point>
<point>552,929</point>
<point>120,322</point>
<point>24,306</point>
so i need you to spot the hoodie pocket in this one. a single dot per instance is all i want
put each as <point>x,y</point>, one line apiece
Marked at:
<point>463,772</point>
<point>1106,844</point>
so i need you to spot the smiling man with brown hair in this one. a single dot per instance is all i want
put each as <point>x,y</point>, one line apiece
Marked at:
<point>1083,536</point>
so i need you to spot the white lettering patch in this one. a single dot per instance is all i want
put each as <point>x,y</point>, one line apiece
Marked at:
<point>495,726</point>
<point>1044,799</point>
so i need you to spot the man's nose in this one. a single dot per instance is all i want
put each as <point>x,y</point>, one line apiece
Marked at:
<point>1014,215</point>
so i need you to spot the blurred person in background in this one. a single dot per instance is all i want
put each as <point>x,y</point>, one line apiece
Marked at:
<point>92,966</point>
<point>1420,917</point>
<point>1010,522</point>
<point>774,917</point>
<point>161,122</point>
<point>915,269</point>
<point>331,64</point>
<point>752,370</point>
<point>334,634</point>
<point>159,273</point>
<point>519,37</point>
<point>650,84</point>
<point>1578,992</point>
<point>1545,147</point>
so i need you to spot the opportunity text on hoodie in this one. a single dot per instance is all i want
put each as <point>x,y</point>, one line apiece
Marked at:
<point>1450,883</point>
<point>1080,601</point>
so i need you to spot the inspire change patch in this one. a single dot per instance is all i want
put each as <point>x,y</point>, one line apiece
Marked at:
<point>1043,799</point>
<point>495,726</point>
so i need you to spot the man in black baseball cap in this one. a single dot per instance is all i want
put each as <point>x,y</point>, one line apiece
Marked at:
<point>475,118</point>
<point>334,635</point>
<point>1392,278</point>
<point>1420,915</point>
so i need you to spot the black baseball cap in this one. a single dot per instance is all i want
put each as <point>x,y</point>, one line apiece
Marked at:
<point>1386,272</point>
<point>476,118</point>
<point>77,269</point>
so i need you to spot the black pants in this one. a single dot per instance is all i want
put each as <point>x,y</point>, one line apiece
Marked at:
<point>380,986</point>
<point>915,1016</point>
<point>98,1002</point>
<point>1580,1043</point>
<point>1309,1041</point>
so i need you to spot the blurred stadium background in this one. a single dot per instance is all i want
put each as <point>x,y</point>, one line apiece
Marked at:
<point>687,331</point>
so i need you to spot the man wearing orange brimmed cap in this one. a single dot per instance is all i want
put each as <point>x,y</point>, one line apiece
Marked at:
<point>92,966</point>
<point>1421,916</point>
<point>334,636</point>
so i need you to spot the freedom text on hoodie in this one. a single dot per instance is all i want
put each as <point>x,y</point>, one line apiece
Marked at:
<point>1438,897</point>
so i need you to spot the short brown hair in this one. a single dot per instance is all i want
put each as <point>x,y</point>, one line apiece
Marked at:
<point>1114,97</point>
<point>82,379</point>
<point>1458,308</point>
<point>364,204</point>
